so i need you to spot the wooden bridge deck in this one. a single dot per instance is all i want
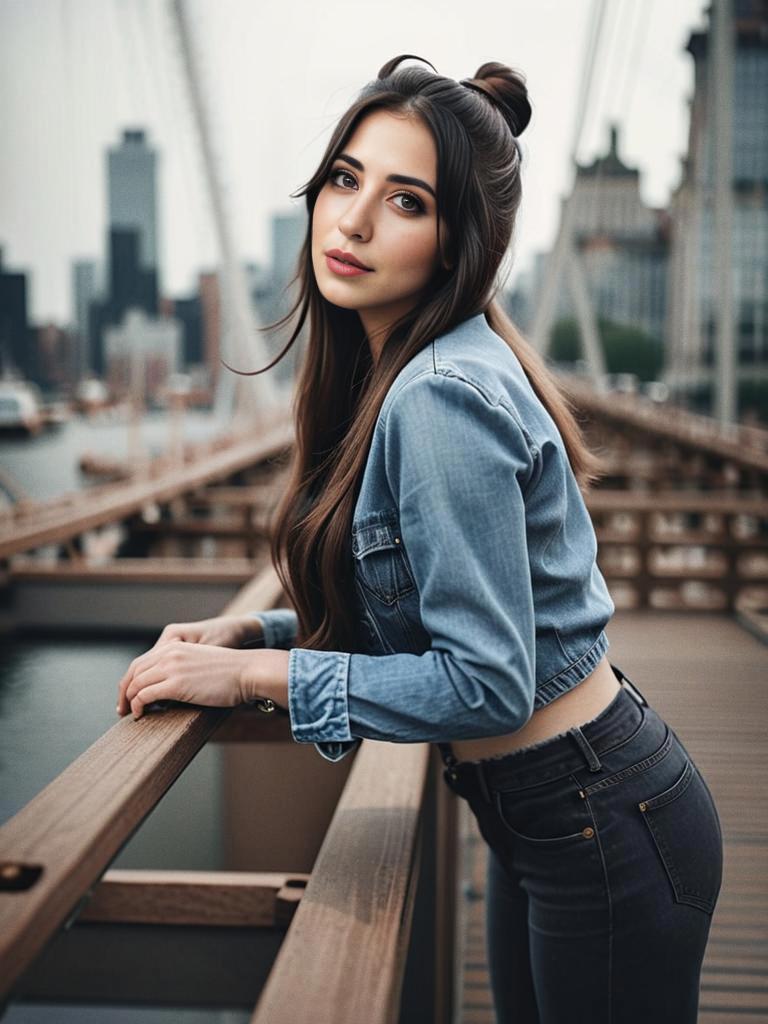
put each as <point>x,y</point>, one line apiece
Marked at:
<point>708,677</point>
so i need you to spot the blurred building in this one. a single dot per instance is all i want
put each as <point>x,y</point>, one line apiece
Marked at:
<point>16,348</point>
<point>273,291</point>
<point>693,287</point>
<point>132,191</point>
<point>87,288</point>
<point>18,354</point>
<point>141,354</point>
<point>133,267</point>
<point>56,356</point>
<point>622,245</point>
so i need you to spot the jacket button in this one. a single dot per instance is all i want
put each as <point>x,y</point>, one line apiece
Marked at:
<point>588,832</point>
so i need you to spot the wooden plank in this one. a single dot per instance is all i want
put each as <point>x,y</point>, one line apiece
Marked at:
<point>199,526</point>
<point>602,499</point>
<point>242,899</point>
<point>253,496</point>
<point>137,570</point>
<point>344,953</point>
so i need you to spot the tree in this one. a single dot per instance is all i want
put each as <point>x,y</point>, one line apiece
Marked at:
<point>626,349</point>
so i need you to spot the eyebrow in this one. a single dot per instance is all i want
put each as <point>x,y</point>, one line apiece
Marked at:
<point>399,179</point>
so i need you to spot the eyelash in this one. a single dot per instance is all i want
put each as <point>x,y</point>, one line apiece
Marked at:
<point>409,195</point>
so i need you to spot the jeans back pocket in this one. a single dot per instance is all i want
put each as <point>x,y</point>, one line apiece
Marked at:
<point>686,830</point>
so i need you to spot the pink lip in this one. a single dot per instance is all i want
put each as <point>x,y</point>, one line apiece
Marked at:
<point>344,269</point>
<point>347,257</point>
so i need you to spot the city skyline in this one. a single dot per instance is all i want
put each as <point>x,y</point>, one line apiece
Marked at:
<point>49,220</point>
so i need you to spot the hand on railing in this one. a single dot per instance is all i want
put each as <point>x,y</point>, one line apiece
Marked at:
<point>221,631</point>
<point>187,665</point>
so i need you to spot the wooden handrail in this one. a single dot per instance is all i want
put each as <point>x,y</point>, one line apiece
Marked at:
<point>126,499</point>
<point>343,958</point>
<point>674,424</point>
<point>605,500</point>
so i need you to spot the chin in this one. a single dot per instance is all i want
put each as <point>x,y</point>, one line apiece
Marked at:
<point>335,292</point>
<point>342,301</point>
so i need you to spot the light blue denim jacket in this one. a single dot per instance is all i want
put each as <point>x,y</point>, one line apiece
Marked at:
<point>476,587</point>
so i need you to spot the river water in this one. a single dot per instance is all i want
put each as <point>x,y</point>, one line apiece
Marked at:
<point>57,697</point>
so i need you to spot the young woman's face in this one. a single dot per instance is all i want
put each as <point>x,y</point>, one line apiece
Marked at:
<point>390,226</point>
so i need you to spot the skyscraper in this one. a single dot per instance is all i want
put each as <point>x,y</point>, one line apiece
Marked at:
<point>132,187</point>
<point>18,350</point>
<point>133,273</point>
<point>694,288</point>
<point>87,289</point>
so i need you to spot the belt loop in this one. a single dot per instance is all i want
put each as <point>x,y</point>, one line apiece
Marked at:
<point>482,782</point>
<point>584,746</point>
<point>446,752</point>
<point>629,686</point>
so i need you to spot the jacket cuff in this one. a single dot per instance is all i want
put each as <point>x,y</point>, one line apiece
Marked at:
<point>317,698</point>
<point>280,626</point>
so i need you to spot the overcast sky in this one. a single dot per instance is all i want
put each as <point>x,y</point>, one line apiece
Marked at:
<point>75,73</point>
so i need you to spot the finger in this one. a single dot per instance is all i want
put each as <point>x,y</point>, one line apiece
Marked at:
<point>172,632</point>
<point>125,682</point>
<point>122,704</point>
<point>137,666</point>
<point>157,691</point>
<point>159,673</point>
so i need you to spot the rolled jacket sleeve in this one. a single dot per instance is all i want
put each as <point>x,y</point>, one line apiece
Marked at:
<point>457,465</point>
<point>280,627</point>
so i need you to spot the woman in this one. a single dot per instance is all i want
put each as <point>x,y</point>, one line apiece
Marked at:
<point>439,557</point>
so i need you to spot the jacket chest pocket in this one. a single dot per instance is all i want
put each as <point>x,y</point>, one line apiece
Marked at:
<point>387,594</point>
<point>381,567</point>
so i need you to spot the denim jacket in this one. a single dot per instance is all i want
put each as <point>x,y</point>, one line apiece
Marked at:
<point>477,591</point>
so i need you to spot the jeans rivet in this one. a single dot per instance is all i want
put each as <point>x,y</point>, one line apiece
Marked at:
<point>588,832</point>
<point>642,806</point>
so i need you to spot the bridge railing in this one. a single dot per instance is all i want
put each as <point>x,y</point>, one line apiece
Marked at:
<point>681,549</point>
<point>367,935</point>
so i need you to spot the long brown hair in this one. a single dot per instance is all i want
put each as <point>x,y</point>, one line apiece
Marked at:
<point>474,125</point>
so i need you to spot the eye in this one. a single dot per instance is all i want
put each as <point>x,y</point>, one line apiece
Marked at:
<point>339,170</point>
<point>336,175</point>
<point>417,207</point>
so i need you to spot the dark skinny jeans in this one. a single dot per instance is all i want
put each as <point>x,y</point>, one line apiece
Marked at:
<point>604,867</point>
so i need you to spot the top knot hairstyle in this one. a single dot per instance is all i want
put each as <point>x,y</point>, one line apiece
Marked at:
<point>506,89</point>
<point>475,124</point>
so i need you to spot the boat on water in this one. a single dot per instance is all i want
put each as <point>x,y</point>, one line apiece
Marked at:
<point>91,395</point>
<point>21,410</point>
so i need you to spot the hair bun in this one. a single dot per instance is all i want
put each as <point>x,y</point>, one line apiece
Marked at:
<point>506,88</point>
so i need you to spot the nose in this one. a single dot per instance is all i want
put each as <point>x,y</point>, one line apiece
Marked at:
<point>356,220</point>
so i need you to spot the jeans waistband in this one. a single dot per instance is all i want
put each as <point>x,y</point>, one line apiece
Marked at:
<point>555,757</point>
